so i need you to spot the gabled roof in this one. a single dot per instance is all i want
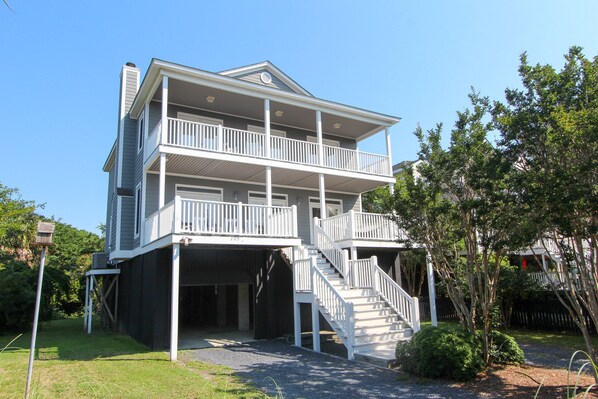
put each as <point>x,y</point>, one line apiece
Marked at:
<point>272,69</point>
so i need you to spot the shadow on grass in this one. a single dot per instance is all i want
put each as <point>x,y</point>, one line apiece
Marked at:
<point>66,340</point>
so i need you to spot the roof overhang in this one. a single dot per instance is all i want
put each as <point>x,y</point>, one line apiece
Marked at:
<point>111,158</point>
<point>159,68</point>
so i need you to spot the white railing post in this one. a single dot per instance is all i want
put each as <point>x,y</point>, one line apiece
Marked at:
<point>313,231</point>
<point>374,267</point>
<point>351,224</point>
<point>178,210</point>
<point>346,269</point>
<point>350,329</point>
<point>294,221</point>
<point>357,163</point>
<point>240,219</point>
<point>315,316</point>
<point>220,139</point>
<point>415,324</point>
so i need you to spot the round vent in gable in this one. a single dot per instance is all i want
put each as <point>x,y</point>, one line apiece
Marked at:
<point>266,77</point>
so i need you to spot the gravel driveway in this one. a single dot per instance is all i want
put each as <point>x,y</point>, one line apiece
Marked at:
<point>305,374</point>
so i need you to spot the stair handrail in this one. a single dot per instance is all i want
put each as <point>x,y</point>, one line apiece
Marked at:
<point>326,296</point>
<point>399,300</point>
<point>338,257</point>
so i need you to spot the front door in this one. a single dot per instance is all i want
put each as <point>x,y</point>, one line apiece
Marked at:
<point>333,207</point>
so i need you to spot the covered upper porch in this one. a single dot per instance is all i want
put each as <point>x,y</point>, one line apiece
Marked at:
<point>227,120</point>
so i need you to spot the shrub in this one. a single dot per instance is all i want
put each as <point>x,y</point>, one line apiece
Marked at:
<point>440,352</point>
<point>504,349</point>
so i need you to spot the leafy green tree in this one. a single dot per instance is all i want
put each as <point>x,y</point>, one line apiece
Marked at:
<point>67,262</point>
<point>17,219</point>
<point>463,213</point>
<point>549,131</point>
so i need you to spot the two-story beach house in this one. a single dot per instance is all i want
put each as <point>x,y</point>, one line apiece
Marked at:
<point>234,202</point>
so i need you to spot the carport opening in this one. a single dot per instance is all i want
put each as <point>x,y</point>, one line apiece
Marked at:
<point>215,315</point>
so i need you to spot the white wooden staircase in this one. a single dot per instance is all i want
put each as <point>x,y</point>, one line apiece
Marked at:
<point>368,311</point>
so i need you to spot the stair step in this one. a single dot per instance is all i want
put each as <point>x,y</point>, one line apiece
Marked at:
<point>390,335</point>
<point>357,292</point>
<point>378,328</point>
<point>363,299</point>
<point>364,313</point>
<point>375,320</point>
<point>367,306</point>
<point>378,346</point>
<point>382,358</point>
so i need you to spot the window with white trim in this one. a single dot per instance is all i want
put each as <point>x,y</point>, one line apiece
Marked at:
<point>332,143</point>
<point>140,131</point>
<point>259,198</point>
<point>137,210</point>
<point>199,193</point>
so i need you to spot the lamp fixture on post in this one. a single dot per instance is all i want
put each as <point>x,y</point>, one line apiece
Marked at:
<point>45,232</point>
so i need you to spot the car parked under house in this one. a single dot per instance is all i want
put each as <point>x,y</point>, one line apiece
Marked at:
<point>234,202</point>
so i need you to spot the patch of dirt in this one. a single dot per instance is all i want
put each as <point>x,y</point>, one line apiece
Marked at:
<point>523,382</point>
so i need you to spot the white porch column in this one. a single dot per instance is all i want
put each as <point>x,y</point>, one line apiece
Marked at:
<point>85,310</point>
<point>315,313</point>
<point>269,185</point>
<point>323,210</point>
<point>90,304</point>
<point>164,127</point>
<point>243,306</point>
<point>431,289</point>
<point>267,125</point>
<point>391,186</point>
<point>320,141</point>
<point>162,188</point>
<point>145,133</point>
<point>544,263</point>
<point>174,303</point>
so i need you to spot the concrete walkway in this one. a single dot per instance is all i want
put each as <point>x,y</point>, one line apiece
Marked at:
<point>305,374</point>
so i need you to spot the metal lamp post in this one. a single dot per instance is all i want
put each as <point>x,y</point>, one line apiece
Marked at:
<point>44,239</point>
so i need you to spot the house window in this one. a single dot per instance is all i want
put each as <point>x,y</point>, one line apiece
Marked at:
<point>259,198</point>
<point>137,210</point>
<point>331,143</point>
<point>140,131</point>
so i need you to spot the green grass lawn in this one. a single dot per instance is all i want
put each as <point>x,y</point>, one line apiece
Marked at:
<point>72,364</point>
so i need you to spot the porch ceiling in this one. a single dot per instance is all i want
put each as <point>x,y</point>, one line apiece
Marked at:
<point>252,173</point>
<point>192,95</point>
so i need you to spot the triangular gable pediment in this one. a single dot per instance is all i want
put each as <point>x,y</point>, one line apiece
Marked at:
<point>266,74</point>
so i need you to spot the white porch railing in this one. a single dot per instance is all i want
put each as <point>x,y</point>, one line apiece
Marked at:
<point>338,257</point>
<point>361,270</point>
<point>301,269</point>
<point>159,223</point>
<point>152,141</point>
<point>203,136</point>
<point>362,226</point>
<point>367,274</point>
<point>400,301</point>
<point>186,216</point>
<point>340,311</point>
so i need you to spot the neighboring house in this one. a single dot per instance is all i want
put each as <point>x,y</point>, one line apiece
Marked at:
<point>214,183</point>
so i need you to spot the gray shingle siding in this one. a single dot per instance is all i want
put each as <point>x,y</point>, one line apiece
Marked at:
<point>111,210</point>
<point>128,127</point>
<point>254,77</point>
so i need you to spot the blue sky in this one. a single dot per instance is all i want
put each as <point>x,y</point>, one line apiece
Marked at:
<point>60,62</point>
